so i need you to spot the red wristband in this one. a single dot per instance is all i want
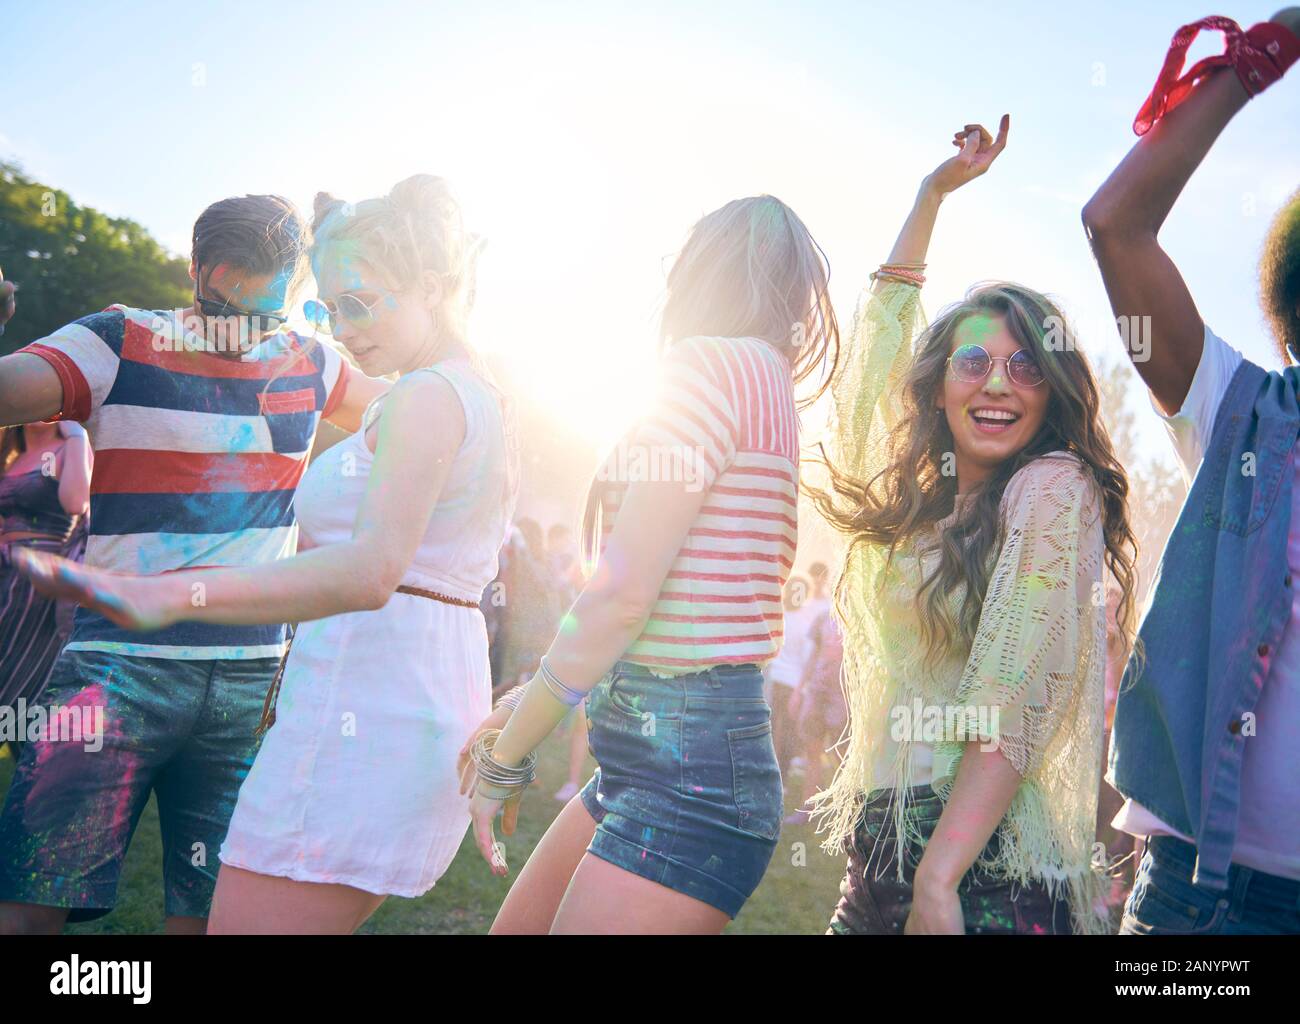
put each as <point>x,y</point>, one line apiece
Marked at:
<point>1259,57</point>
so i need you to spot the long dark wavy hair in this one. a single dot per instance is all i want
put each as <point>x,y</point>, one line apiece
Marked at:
<point>750,269</point>
<point>913,493</point>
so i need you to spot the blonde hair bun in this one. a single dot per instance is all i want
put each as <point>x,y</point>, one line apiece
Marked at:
<point>415,230</point>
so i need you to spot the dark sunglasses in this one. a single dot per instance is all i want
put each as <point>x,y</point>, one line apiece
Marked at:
<point>971,363</point>
<point>324,314</point>
<point>222,307</point>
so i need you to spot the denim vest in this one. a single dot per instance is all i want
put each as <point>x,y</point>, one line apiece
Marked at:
<point>1221,604</point>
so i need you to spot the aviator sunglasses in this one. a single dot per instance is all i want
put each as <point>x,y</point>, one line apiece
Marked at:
<point>323,314</point>
<point>971,363</point>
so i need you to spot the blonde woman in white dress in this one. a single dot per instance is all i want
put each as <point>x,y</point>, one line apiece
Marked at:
<point>354,795</point>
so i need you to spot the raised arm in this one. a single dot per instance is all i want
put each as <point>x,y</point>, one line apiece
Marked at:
<point>978,151</point>
<point>1124,218</point>
<point>880,344</point>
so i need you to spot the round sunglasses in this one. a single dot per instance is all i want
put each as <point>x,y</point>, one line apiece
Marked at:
<point>324,314</point>
<point>971,363</point>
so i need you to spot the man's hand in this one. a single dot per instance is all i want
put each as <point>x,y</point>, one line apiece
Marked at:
<point>7,303</point>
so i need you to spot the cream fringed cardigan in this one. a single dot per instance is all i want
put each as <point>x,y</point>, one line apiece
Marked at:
<point>1037,658</point>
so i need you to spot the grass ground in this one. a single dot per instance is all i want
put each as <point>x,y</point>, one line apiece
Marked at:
<point>795,897</point>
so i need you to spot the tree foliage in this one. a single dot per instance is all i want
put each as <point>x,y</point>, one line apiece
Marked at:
<point>70,260</point>
<point>1156,488</point>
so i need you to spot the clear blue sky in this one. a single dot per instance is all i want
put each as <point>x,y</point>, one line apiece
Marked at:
<point>585,140</point>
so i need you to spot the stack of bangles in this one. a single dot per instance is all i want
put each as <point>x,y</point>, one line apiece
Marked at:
<point>498,781</point>
<point>907,273</point>
<point>511,698</point>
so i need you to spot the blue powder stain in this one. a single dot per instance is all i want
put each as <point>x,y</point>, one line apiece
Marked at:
<point>244,438</point>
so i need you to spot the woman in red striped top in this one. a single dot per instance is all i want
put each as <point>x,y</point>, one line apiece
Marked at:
<point>693,522</point>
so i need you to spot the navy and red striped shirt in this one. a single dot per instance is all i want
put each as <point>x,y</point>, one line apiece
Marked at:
<point>197,456</point>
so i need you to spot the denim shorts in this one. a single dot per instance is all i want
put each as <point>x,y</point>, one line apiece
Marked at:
<point>1164,900</point>
<point>873,901</point>
<point>688,791</point>
<point>183,730</point>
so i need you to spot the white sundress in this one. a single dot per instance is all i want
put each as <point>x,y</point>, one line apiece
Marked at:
<point>356,782</point>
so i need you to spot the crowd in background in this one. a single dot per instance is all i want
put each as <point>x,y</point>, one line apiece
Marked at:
<point>538,578</point>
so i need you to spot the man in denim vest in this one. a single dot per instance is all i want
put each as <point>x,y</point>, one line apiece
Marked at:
<point>1207,727</point>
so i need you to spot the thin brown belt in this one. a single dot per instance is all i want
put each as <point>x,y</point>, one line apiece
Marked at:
<point>268,705</point>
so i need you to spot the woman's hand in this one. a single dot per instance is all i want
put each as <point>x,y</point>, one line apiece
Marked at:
<point>978,151</point>
<point>132,602</point>
<point>482,809</point>
<point>465,767</point>
<point>936,910</point>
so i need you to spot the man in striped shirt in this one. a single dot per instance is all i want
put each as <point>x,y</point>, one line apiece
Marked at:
<point>202,420</point>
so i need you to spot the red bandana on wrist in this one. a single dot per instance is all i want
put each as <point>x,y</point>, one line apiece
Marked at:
<point>1260,57</point>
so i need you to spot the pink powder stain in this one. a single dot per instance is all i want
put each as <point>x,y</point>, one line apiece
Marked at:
<point>53,771</point>
<point>121,815</point>
<point>91,696</point>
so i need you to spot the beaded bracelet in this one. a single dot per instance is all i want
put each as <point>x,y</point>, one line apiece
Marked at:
<point>893,275</point>
<point>910,272</point>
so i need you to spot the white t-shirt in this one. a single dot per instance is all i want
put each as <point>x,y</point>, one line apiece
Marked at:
<point>1268,823</point>
<point>788,667</point>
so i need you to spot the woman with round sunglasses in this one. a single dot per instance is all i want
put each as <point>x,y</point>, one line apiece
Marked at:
<point>982,506</point>
<point>355,792</point>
